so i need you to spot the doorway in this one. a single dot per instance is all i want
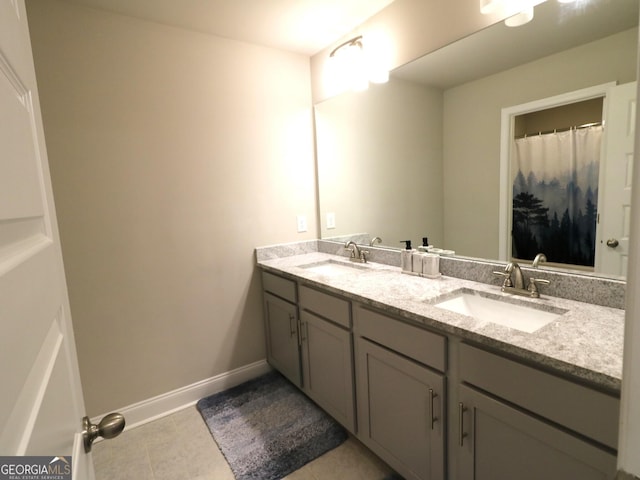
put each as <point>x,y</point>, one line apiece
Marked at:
<point>555,164</point>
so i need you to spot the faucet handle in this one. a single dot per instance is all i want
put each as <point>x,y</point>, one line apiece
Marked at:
<point>363,255</point>
<point>533,285</point>
<point>507,277</point>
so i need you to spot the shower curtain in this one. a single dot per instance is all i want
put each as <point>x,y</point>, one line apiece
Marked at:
<point>555,194</point>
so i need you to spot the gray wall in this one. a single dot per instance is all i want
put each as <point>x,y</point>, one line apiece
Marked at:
<point>173,155</point>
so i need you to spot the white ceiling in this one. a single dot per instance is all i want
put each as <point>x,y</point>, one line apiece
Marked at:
<point>302,26</point>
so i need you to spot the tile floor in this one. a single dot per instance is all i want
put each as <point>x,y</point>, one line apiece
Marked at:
<point>180,447</point>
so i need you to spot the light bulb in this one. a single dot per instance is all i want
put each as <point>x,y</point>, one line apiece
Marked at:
<point>375,62</point>
<point>520,19</point>
<point>378,75</point>
<point>488,6</point>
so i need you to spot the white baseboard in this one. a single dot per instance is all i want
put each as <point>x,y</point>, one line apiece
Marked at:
<point>157,407</point>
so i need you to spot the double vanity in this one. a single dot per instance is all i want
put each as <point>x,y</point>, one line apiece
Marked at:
<point>450,378</point>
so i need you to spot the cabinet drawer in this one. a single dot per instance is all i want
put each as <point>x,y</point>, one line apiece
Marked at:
<point>574,406</point>
<point>425,347</point>
<point>324,305</point>
<point>280,287</point>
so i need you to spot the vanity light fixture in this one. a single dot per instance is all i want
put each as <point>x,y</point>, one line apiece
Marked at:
<point>352,67</point>
<point>488,6</point>
<point>525,16</point>
<point>519,11</point>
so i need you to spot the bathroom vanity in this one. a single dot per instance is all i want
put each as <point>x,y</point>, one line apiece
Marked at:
<point>442,395</point>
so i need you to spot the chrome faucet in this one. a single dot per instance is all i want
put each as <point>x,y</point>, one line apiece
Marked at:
<point>516,285</point>
<point>357,255</point>
<point>374,240</point>
<point>518,278</point>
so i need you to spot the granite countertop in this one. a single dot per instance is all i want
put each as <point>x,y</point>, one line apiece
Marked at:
<point>586,342</point>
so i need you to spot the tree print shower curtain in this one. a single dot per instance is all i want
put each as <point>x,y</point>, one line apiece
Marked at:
<point>555,195</point>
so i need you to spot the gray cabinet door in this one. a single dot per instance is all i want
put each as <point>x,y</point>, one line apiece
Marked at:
<point>400,411</point>
<point>499,442</point>
<point>281,330</point>
<point>327,366</point>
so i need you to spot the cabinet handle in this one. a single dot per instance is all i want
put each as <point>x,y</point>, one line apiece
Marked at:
<point>461,434</point>
<point>304,328</point>
<point>432,418</point>
<point>292,328</point>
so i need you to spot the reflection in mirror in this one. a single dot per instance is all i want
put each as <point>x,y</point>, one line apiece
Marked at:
<point>380,162</point>
<point>552,153</point>
<point>420,156</point>
<point>554,166</point>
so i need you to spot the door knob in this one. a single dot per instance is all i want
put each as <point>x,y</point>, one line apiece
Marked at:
<point>613,243</point>
<point>109,427</point>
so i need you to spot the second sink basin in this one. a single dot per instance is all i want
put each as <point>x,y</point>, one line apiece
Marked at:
<point>501,310</point>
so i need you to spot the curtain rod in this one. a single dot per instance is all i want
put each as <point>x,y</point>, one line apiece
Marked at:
<point>557,130</point>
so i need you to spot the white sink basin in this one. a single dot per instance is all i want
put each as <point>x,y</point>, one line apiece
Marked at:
<point>501,310</point>
<point>334,267</point>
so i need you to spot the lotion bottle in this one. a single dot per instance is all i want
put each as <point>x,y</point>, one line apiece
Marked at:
<point>417,262</point>
<point>431,265</point>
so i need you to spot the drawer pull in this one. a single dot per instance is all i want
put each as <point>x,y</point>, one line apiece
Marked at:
<point>299,332</point>
<point>432,419</point>
<point>461,434</point>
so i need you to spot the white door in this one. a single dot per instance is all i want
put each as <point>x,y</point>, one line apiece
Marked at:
<point>41,404</point>
<point>614,204</point>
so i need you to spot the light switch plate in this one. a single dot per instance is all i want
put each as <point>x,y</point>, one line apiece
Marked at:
<point>331,220</point>
<point>302,223</point>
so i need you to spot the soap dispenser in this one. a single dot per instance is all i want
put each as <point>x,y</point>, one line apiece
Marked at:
<point>406,256</point>
<point>425,245</point>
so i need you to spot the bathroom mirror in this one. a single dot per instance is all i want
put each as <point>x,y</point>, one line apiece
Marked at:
<point>420,155</point>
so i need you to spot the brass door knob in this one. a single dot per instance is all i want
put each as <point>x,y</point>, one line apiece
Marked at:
<point>613,243</point>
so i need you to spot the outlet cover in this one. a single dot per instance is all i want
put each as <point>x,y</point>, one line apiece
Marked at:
<point>331,220</point>
<point>302,223</point>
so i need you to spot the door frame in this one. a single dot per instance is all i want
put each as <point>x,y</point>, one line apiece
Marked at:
<point>507,129</point>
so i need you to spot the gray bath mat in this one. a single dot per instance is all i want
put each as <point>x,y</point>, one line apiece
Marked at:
<point>266,428</point>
